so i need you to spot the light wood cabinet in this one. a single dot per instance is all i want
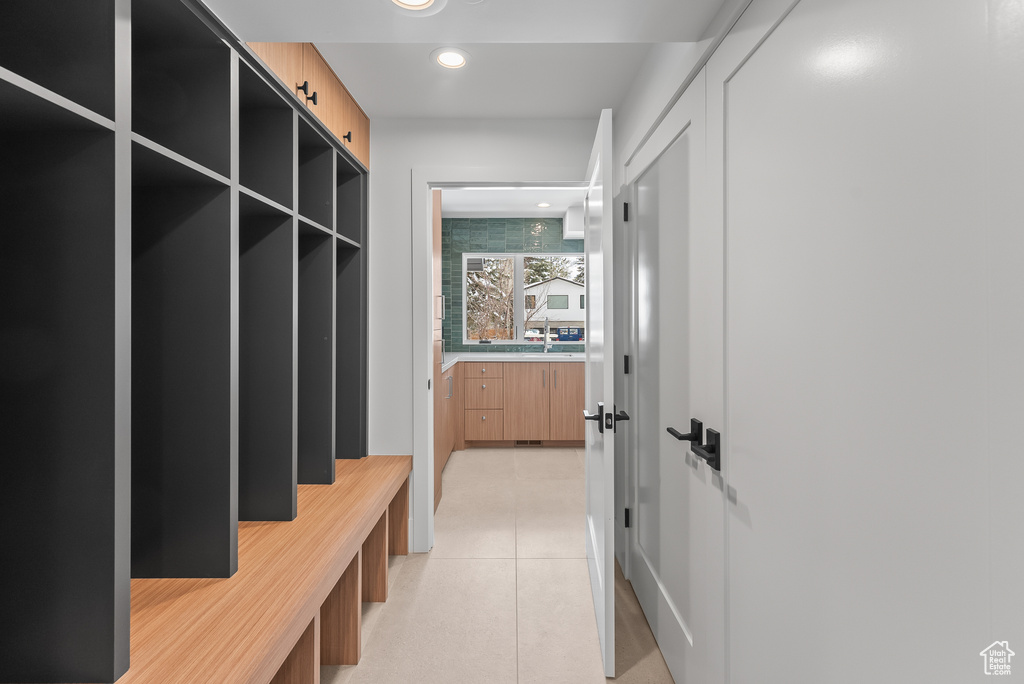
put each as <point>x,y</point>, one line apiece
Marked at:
<point>527,401</point>
<point>285,60</point>
<point>477,369</point>
<point>567,401</point>
<point>296,63</point>
<point>483,425</point>
<point>486,393</point>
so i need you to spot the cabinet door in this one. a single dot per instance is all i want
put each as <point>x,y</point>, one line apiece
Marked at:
<point>527,401</point>
<point>358,124</point>
<point>567,401</point>
<point>322,81</point>
<point>285,60</point>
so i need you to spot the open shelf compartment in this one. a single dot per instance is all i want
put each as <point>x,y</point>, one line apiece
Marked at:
<point>65,427</point>
<point>316,333</point>
<point>351,202</point>
<point>266,128</point>
<point>266,411</point>
<point>181,83</point>
<point>350,371</point>
<point>76,57</point>
<point>184,450</point>
<point>316,176</point>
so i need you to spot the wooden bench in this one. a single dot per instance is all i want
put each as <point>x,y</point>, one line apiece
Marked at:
<point>295,602</point>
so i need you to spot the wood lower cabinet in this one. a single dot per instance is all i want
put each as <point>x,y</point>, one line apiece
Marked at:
<point>527,401</point>
<point>484,425</point>
<point>486,393</point>
<point>518,401</point>
<point>567,401</point>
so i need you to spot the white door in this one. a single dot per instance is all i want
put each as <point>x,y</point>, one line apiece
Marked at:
<point>676,543</point>
<point>600,384</point>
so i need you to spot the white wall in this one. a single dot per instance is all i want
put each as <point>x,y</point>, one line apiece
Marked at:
<point>399,146</point>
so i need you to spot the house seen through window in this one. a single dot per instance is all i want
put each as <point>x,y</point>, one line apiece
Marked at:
<point>548,286</point>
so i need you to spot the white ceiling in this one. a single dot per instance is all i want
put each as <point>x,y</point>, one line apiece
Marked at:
<point>512,202</point>
<point>528,58</point>
<point>567,81</point>
<point>469,21</point>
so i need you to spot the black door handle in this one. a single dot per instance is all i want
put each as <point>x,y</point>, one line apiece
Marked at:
<point>695,435</point>
<point>710,452</point>
<point>619,415</point>
<point>596,416</point>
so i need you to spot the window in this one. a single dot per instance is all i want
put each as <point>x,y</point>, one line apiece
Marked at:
<point>490,288</point>
<point>583,302</point>
<point>558,301</point>
<point>545,284</point>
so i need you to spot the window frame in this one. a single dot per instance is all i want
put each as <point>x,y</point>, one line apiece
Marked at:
<point>519,294</point>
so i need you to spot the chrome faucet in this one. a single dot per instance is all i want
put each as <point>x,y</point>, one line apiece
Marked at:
<point>547,333</point>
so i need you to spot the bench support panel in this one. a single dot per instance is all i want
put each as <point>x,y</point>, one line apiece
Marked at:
<point>341,618</point>
<point>375,562</point>
<point>398,522</point>
<point>302,666</point>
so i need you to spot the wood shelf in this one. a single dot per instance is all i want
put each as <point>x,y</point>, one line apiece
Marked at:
<point>243,629</point>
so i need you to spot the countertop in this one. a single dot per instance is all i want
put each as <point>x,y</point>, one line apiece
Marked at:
<point>450,359</point>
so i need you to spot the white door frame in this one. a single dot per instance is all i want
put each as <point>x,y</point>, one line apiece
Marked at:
<point>424,179</point>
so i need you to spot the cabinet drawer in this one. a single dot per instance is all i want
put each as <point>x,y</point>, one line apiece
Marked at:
<point>484,425</point>
<point>484,393</point>
<point>477,369</point>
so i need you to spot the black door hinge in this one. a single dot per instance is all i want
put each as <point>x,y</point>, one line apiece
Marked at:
<point>625,211</point>
<point>627,517</point>
<point>625,364</point>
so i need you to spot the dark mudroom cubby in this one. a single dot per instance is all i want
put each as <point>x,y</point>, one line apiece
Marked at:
<point>350,200</point>
<point>266,129</point>
<point>181,83</point>
<point>316,177</point>
<point>64,434</point>
<point>350,410</point>
<point>184,453</point>
<point>316,333</point>
<point>266,325</point>
<point>76,58</point>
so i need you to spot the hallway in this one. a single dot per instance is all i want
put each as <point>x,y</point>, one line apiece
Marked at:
<point>504,596</point>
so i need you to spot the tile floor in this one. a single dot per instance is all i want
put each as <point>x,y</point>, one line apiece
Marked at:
<point>504,596</point>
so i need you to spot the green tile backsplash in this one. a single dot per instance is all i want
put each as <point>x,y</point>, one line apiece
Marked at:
<point>512,235</point>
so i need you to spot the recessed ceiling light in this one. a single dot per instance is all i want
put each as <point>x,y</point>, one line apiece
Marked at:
<point>450,58</point>
<point>419,8</point>
<point>544,205</point>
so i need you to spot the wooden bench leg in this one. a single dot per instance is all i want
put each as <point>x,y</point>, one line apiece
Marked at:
<point>375,562</point>
<point>398,522</point>
<point>302,666</point>
<point>341,618</point>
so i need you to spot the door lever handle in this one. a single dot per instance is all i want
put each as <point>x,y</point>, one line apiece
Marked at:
<point>695,435</point>
<point>618,416</point>
<point>710,452</point>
